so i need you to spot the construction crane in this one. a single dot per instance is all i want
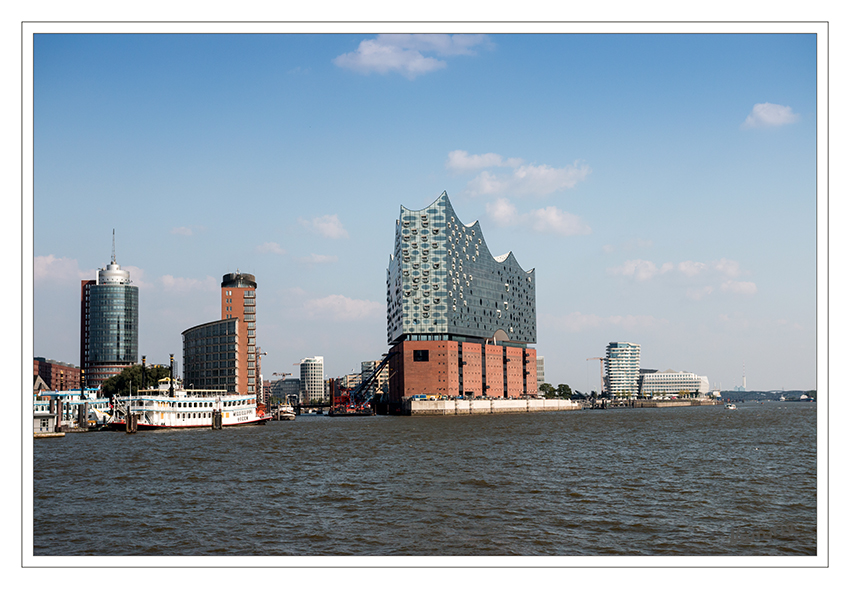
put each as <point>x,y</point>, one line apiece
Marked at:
<point>601,374</point>
<point>357,401</point>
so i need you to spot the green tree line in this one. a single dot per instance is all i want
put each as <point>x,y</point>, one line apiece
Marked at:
<point>563,391</point>
<point>132,376</point>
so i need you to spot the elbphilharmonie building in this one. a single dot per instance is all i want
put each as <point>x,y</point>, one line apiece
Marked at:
<point>459,320</point>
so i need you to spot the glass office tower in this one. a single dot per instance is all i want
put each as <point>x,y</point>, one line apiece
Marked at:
<point>110,324</point>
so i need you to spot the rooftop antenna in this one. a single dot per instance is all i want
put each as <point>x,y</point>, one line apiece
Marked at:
<point>113,246</point>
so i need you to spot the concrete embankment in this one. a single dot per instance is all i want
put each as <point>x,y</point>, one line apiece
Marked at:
<point>486,406</point>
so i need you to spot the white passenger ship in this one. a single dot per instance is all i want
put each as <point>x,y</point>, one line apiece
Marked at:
<point>158,409</point>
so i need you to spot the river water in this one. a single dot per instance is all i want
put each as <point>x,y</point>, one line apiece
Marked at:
<point>673,481</point>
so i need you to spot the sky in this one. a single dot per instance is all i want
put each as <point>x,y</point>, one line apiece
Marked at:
<point>663,187</point>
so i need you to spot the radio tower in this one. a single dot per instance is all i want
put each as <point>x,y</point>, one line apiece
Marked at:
<point>744,369</point>
<point>113,246</point>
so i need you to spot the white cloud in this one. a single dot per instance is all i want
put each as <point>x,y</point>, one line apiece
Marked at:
<point>403,54</point>
<point>181,231</point>
<point>641,270</point>
<point>328,226</point>
<point>271,247</point>
<point>691,268</point>
<point>502,212</point>
<point>554,220</point>
<point>461,161</point>
<point>342,308</point>
<point>766,114</point>
<point>318,259</point>
<point>52,269</point>
<point>183,285</point>
<point>528,180</point>
<point>547,220</point>
<point>730,268</point>
<point>742,288</point>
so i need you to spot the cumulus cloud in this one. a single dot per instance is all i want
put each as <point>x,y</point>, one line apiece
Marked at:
<point>342,308</point>
<point>702,278</point>
<point>406,54</point>
<point>328,226</point>
<point>766,114</point>
<point>181,231</point>
<point>550,220</point>
<point>52,269</point>
<point>180,284</point>
<point>528,180</point>
<point>690,268</point>
<point>502,212</point>
<point>318,259</point>
<point>461,161</point>
<point>554,220</point>
<point>641,270</point>
<point>730,268</point>
<point>271,247</point>
<point>742,288</point>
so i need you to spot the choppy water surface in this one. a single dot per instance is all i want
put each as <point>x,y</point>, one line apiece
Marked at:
<point>675,481</point>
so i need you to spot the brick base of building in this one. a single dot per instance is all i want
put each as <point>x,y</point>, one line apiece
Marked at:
<point>452,368</point>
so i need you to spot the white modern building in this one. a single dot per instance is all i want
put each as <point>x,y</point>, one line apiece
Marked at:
<point>622,360</point>
<point>313,379</point>
<point>670,382</point>
<point>540,375</point>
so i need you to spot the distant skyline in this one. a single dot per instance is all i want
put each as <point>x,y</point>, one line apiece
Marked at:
<point>663,187</point>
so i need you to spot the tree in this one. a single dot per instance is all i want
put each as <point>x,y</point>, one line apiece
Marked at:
<point>564,391</point>
<point>547,390</point>
<point>132,377</point>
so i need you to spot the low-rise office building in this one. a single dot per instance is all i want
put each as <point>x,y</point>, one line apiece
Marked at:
<point>669,383</point>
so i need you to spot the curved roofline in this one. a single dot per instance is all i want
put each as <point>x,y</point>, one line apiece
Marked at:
<point>436,200</point>
<point>474,225</point>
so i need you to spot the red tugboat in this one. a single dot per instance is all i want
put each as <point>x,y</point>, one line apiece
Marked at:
<point>355,402</point>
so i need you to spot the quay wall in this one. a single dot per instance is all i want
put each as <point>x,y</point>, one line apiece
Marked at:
<point>677,403</point>
<point>486,406</point>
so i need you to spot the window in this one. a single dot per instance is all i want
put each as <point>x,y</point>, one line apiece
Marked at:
<point>420,355</point>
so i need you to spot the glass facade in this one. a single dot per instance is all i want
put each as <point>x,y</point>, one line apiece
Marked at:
<point>210,355</point>
<point>443,282</point>
<point>113,324</point>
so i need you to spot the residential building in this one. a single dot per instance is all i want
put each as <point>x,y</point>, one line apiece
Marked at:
<point>239,301</point>
<point>211,356</point>
<point>459,320</point>
<point>56,376</point>
<point>223,353</point>
<point>622,360</point>
<point>109,324</point>
<point>313,380</point>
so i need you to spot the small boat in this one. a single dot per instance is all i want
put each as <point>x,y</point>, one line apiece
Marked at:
<point>731,406</point>
<point>285,413</point>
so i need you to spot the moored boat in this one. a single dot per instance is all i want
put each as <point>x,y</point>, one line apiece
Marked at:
<point>163,409</point>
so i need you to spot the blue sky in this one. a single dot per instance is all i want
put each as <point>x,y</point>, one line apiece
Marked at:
<point>662,186</point>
